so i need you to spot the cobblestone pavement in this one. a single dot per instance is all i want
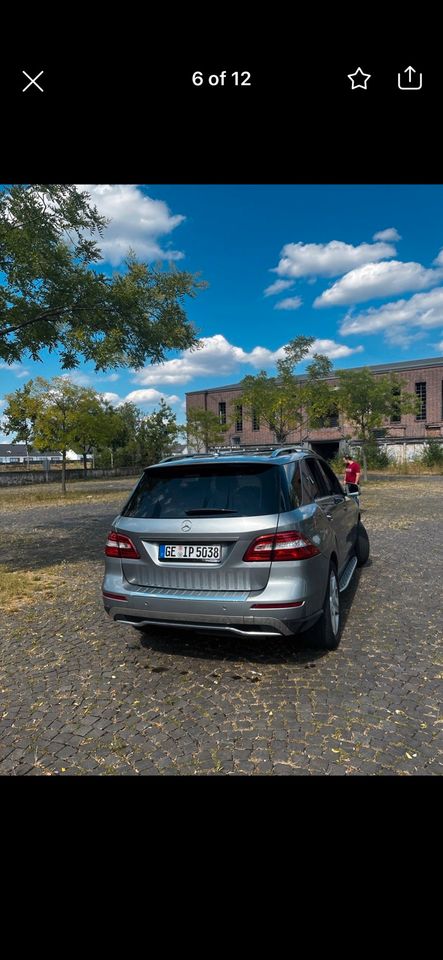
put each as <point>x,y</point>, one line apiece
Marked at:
<point>82,695</point>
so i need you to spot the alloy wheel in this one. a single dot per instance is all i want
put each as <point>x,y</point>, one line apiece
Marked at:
<point>334,603</point>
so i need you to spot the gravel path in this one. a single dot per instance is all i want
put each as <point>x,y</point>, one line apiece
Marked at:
<point>82,695</point>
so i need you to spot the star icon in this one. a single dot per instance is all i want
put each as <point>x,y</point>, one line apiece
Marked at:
<point>359,79</point>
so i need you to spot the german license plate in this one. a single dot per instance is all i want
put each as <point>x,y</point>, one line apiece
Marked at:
<point>205,552</point>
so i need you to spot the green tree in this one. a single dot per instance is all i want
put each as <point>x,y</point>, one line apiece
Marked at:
<point>157,434</point>
<point>367,401</point>
<point>52,294</point>
<point>286,402</point>
<point>93,427</point>
<point>203,429</point>
<point>432,453</point>
<point>55,402</point>
<point>20,415</point>
<point>124,423</point>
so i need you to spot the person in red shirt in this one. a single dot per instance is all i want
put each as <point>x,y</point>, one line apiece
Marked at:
<point>352,470</point>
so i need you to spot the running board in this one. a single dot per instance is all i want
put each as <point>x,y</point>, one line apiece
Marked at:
<point>346,576</point>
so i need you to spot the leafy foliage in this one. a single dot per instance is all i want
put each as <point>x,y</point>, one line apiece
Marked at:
<point>54,296</point>
<point>433,453</point>
<point>58,415</point>
<point>157,434</point>
<point>204,429</point>
<point>20,414</point>
<point>367,400</point>
<point>376,457</point>
<point>286,403</point>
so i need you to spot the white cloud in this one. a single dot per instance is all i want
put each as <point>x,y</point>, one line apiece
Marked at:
<point>328,259</point>
<point>291,303</point>
<point>111,377</point>
<point>439,346</point>
<point>219,358</point>
<point>378,280</point>
<point>141,398</point>
<point>390,234</point>
<point>150,397</point>
<point>423,311</point>
<point>16,368</point>
<point>112,398</point>
<point>216,357</point>
<point>439,259</point>
<point>333,350</point>
<point>398,337</point>
<point>278,287</point>
<point>261,357</point>
<point>137,221</point>
<point>78,378</point>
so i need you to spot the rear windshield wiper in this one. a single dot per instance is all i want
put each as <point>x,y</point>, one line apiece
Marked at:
<point>202,511</point>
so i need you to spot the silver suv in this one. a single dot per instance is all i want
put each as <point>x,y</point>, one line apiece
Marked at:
<point>246,545</point>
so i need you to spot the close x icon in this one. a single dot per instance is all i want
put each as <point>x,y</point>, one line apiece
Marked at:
<point>33,80</point>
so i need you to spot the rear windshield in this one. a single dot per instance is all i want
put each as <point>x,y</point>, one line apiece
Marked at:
<point>245,490</point>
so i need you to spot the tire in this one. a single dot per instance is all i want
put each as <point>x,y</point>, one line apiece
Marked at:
<point>325,634</point>
<point>361,545</point>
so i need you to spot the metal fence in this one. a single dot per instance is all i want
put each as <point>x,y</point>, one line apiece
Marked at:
<point>25,477</point>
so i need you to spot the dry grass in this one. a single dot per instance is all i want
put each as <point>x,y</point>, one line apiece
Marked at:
<point>424,484</point>
<point>412,468</point>
<point>19,587</point>
<point>54,583</point>
<point>31,496</point>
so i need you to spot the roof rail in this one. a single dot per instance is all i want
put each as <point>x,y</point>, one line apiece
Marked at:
<point>280,452</point>
<point>262,450</point>
<point>186,456</point>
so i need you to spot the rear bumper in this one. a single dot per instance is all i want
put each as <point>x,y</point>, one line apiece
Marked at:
<point>143,607</point>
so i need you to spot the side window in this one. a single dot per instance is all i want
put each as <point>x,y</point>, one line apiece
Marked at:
<point>331,480</point>
<point>294,485</point>
<point>312,482</point>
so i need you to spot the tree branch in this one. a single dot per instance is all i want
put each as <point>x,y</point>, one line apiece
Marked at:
<point>48,315</point>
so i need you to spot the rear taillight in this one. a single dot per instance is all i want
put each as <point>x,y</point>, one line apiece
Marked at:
<point>291,545</point>
<point>118,545</point>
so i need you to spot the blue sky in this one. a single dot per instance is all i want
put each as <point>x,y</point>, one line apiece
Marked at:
<point>360,268</point>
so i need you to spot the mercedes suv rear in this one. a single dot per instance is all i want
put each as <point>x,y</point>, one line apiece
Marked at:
<point>246,545</point>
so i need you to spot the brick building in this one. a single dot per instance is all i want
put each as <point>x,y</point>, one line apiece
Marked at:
<point>403,439</point>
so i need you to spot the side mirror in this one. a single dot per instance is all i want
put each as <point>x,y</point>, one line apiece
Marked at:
<point>353,488</point>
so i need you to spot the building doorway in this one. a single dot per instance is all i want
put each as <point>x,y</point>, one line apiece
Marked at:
<point>328,449</point>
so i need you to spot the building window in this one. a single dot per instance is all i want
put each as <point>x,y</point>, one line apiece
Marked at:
<point>420,391</point>
<point>256,418</point>
<point>330,420</point>
<point>222,412</point>
<point>238,417</point>
<point>396,412</point>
